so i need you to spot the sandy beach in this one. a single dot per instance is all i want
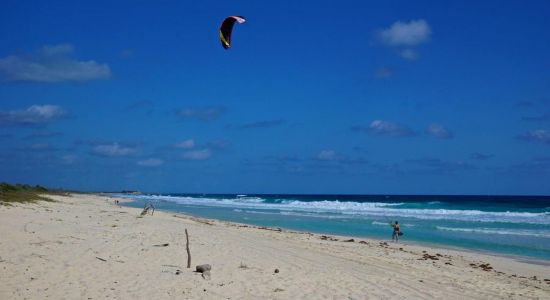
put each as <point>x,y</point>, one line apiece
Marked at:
<point>86,247</point>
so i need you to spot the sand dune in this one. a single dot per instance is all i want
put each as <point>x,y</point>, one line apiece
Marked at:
<point>85,247</point>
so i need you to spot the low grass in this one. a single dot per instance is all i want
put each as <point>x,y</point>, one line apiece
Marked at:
<point>24,193</point>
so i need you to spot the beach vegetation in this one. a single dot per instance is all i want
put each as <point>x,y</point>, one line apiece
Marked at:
<point>24,193</point>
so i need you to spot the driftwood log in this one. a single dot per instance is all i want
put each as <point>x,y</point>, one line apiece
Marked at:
<point>187,248</point>
<point>205,270</point>
<point>148,207</point>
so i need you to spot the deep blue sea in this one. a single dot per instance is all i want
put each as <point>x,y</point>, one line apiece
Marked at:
<point>513,225</point>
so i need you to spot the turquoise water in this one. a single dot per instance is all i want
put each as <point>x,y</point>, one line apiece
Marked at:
<point>506,225</point>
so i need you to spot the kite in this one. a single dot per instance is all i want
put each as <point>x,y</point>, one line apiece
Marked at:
<point>226,28</point>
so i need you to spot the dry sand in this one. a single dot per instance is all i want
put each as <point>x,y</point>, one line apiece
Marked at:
<point>85,247</point>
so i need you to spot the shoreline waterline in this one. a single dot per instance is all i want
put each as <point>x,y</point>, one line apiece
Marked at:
<point>239,216</point>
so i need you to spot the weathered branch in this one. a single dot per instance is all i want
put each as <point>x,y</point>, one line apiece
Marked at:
<point>187,248</point>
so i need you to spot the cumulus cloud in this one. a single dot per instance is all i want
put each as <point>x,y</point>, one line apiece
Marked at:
<point>326,155</point>
<point>409,33</point>
<point>202,154</point>
<point>537,135</point>
<point>202,114</point>
<point>187,144</point>
<point>438,131</point>
<point>385,128</point>
<point>35,115</point>
<point>339,158</point>
<point>150,162</point>
<point>52,64</point>
<point>113,150</point>
<point>405,36</point>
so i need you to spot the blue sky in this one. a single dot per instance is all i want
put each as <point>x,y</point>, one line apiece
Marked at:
<point>400,97</point>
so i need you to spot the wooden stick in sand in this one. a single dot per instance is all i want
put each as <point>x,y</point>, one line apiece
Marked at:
<point>187,248</point>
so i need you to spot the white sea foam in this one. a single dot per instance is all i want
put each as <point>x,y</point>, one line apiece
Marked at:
<point>503,231</point>
<point>388,223</point>
<point>358,209</point>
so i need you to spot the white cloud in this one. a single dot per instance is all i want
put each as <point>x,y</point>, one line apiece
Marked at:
<point>537,135</point>
<point>52,64</point>
<point>113,150</point>
<point>150,162</point>
<point>197,154</point>
<point>380,127</point>
<point>187,144</point>
<point>406,33</point>
<point>438,131</point>
<point>326,155</point>
<point>33,115</point>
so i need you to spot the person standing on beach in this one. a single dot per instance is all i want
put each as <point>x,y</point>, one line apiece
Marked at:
<point>395,235</point>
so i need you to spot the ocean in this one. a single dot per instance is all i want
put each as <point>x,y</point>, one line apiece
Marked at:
<point>509,225</point>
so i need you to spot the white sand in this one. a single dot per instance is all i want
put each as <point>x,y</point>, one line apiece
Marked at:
<point>52,250</point>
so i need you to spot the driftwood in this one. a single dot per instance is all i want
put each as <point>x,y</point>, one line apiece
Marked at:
<point>205,270</point>
<point>187,248</point>
<point>148,207</point>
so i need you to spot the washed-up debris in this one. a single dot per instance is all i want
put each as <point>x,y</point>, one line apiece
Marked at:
<point>102,259</point>
<point>149,207</point>
<point>328,238</point>
<point>204,270</point>
<point>272,229</point>
<point>485,267</point>
<point>427,256</point>
<point>202,221</point>
<point>350,241</point>
<point>161,245</point>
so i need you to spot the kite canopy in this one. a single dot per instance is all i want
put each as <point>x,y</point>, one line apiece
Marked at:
<point>226,28</point>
